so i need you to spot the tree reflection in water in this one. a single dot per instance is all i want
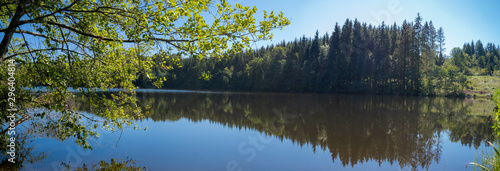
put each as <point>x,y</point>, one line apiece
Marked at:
<point>24,152</point>
<point>354,128</point>
<point>113,165</point>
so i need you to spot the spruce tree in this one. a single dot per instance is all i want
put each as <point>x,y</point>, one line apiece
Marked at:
<point>441,43</point>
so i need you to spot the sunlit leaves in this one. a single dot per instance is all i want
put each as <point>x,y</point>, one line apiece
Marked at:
<point>98,45</point>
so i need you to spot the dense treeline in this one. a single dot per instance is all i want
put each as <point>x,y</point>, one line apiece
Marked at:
<point>475,59</point>
<point>356,58</point>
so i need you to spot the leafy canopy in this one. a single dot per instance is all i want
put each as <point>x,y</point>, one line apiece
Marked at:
<point>94,45</point>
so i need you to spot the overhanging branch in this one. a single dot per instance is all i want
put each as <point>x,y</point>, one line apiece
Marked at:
<point>113,39</point>
<point>48,15</point>
<point>39,50</point>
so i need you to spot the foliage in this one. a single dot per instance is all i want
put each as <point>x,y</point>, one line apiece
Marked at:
<point>496,99</point>
<point>492,163</point>
<point>355,58</point>
<point>89,46</point>
<point>481,60</point>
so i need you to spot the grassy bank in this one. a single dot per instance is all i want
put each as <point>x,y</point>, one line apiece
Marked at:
<point>482,86</point>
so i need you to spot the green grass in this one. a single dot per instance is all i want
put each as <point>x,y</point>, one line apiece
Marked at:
<point>489,162</point>
<point>482,86</point>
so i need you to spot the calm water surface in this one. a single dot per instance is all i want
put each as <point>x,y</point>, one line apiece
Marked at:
<point>264,131</point>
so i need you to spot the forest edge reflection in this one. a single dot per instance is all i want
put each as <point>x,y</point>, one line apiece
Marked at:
<point>354,128</point>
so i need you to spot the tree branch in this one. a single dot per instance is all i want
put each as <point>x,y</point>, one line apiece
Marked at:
<point>97,10</point>
<point>44,36</point>
<point>39,50</point>
<point>48,15</point>
<point>4,45</point>
<point>24,118</point>
<point>112,39</point>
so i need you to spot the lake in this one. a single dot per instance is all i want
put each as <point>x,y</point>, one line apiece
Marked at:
<point>191,130</point>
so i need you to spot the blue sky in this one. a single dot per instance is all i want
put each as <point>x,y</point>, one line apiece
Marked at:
<point>462,21</point>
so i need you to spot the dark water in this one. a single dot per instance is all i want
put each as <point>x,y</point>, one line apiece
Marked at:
<point>232,131</point>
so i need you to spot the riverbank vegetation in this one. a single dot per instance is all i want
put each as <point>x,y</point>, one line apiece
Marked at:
<point>482,86</point>
<point>406,59</point>
<point>481,64</point>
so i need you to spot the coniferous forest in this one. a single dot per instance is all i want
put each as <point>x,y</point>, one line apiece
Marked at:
<point>406,59</point>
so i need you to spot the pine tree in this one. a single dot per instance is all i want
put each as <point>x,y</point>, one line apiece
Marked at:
<point>314,49</point>
<point>355,62</point>
<point>335,60</point>
<point>343,57</point>
<point>441,43</point>
<point>403,54</point>
<point>472,48</point>
<point>366,63</point>
<point>418,31</point>
<point>394,38</point>
<point>382,61</point>
<point>425,48</point>
<point>467,49</point>
<point>480,49</point>
<point>326,39</point>
<point>432,44</point>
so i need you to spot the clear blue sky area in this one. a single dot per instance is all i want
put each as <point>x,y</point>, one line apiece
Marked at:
<point>462,21</point>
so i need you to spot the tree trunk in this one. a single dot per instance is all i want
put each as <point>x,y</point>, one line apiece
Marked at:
<point>9,32</point>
